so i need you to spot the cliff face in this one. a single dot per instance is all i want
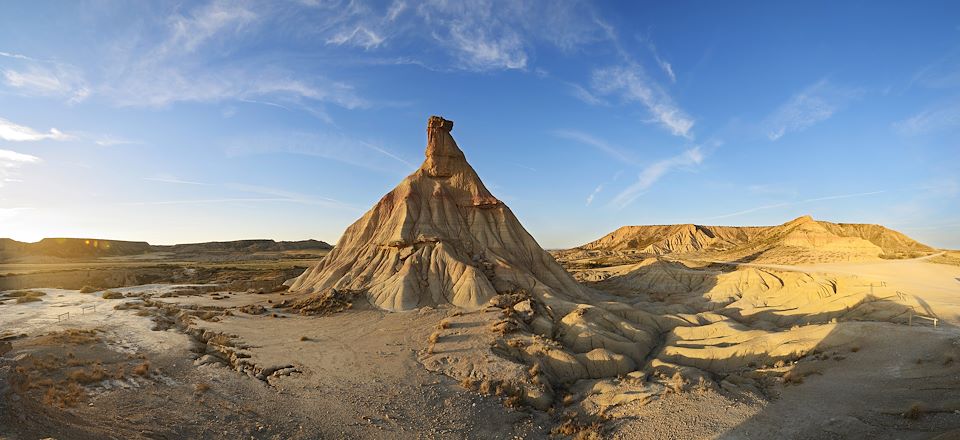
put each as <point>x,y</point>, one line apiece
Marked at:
<point>439,237</point>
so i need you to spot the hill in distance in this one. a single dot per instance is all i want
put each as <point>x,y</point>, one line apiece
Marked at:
<point>802,240</point>
<point>92,248</point>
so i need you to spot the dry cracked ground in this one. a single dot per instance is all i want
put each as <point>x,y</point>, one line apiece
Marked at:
<point>668,349</point>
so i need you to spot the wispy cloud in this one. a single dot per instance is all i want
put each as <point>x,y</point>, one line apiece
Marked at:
<point>169,178</point>
<point>501,35</point>
<point>10,161</point>
<point>594,194</point>
<point>396,8</point>
<point>631,84</point>
<point>808,107</point>
<point>273,195</point>
<point>10,131</point>
<point>665,65</point>
<point>326,145</point>
<point>12,158</point>
<point>585,95</point>
<point>359,36</point>
<point>483,51</point>
<point>188,32</point>
<point>794,203</point>
<point>34,77</point>
<point>611,150</point>
<point>653,172</point>
<point>932,120</point>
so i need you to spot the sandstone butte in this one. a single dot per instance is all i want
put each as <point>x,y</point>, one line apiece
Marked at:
<point>439,237</point>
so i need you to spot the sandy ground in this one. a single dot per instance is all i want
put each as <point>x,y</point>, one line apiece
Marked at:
<point>358,373</point>
<point>934,289</point>
<point>356,376</point>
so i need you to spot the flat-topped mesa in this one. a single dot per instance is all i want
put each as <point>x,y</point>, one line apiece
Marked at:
<point>444,157</point>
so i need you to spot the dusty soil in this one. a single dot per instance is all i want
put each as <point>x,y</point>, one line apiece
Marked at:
<point>353,375</point>
<point>240,364</point>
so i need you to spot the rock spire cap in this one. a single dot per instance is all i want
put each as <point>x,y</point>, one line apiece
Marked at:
<point>437,122</point>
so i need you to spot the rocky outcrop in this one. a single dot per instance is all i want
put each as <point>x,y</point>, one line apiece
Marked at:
<point>802,240</point>
<point>439,237</point>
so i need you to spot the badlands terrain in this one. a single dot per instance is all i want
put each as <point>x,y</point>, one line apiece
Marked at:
<point>437,315</point>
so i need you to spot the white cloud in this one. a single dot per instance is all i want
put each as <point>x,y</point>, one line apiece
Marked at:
<point>799,202</point>
<point>359,36</point>
<point>652,173</point>
<point>811,105</point>
<point>13,159</point>
<point>928,121</point>
<point>665,66</point>
<point>33,77</point>
<point>594,194</point>
<point>584,95</point>
<point>346,149</point>
<point>487,35</point>
<point>396,8</point>
<point>189,32</point>
<point>10,161</point>
<point>169,178</point>
<point>10,131</point>
<point>632,85</point>
<point>483,52</point>
<point>584,138</point>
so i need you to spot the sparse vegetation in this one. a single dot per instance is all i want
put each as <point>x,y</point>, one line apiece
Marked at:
<point>26,296</point>
<point>914,411</point>
<point>142,369</point>
<point>792,377</point>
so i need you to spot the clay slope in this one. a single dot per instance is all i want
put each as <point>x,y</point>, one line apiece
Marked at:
<point>438,237</point>
<point>802,240</point>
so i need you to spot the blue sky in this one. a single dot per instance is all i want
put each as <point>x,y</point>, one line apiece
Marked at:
<point>196,121</point>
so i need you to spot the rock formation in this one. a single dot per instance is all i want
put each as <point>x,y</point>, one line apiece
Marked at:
<point>802,240</point>
<point>438,237</point>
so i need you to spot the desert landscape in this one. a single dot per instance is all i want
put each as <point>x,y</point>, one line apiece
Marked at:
<point>479,219</point>
<point>437,315</point>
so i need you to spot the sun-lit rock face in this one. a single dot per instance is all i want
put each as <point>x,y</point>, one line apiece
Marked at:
<point>438,237</point>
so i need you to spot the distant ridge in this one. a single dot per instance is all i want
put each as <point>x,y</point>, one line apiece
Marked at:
<point>96,248</point>
<point>800,240</point>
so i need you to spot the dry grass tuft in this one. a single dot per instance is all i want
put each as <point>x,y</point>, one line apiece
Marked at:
<point>112,295</point>
<point>485,387</point>
<point>792,377</point>
<point>142,369</point>
<point>95,374</point>
<point>914,411</point>
<point>200,388</point>
<point>88,289</point>
<point>515,343</point>
<point>28,299</point>
<point>677,383</point>
<point>469,383</point>
<point>578,430</point>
